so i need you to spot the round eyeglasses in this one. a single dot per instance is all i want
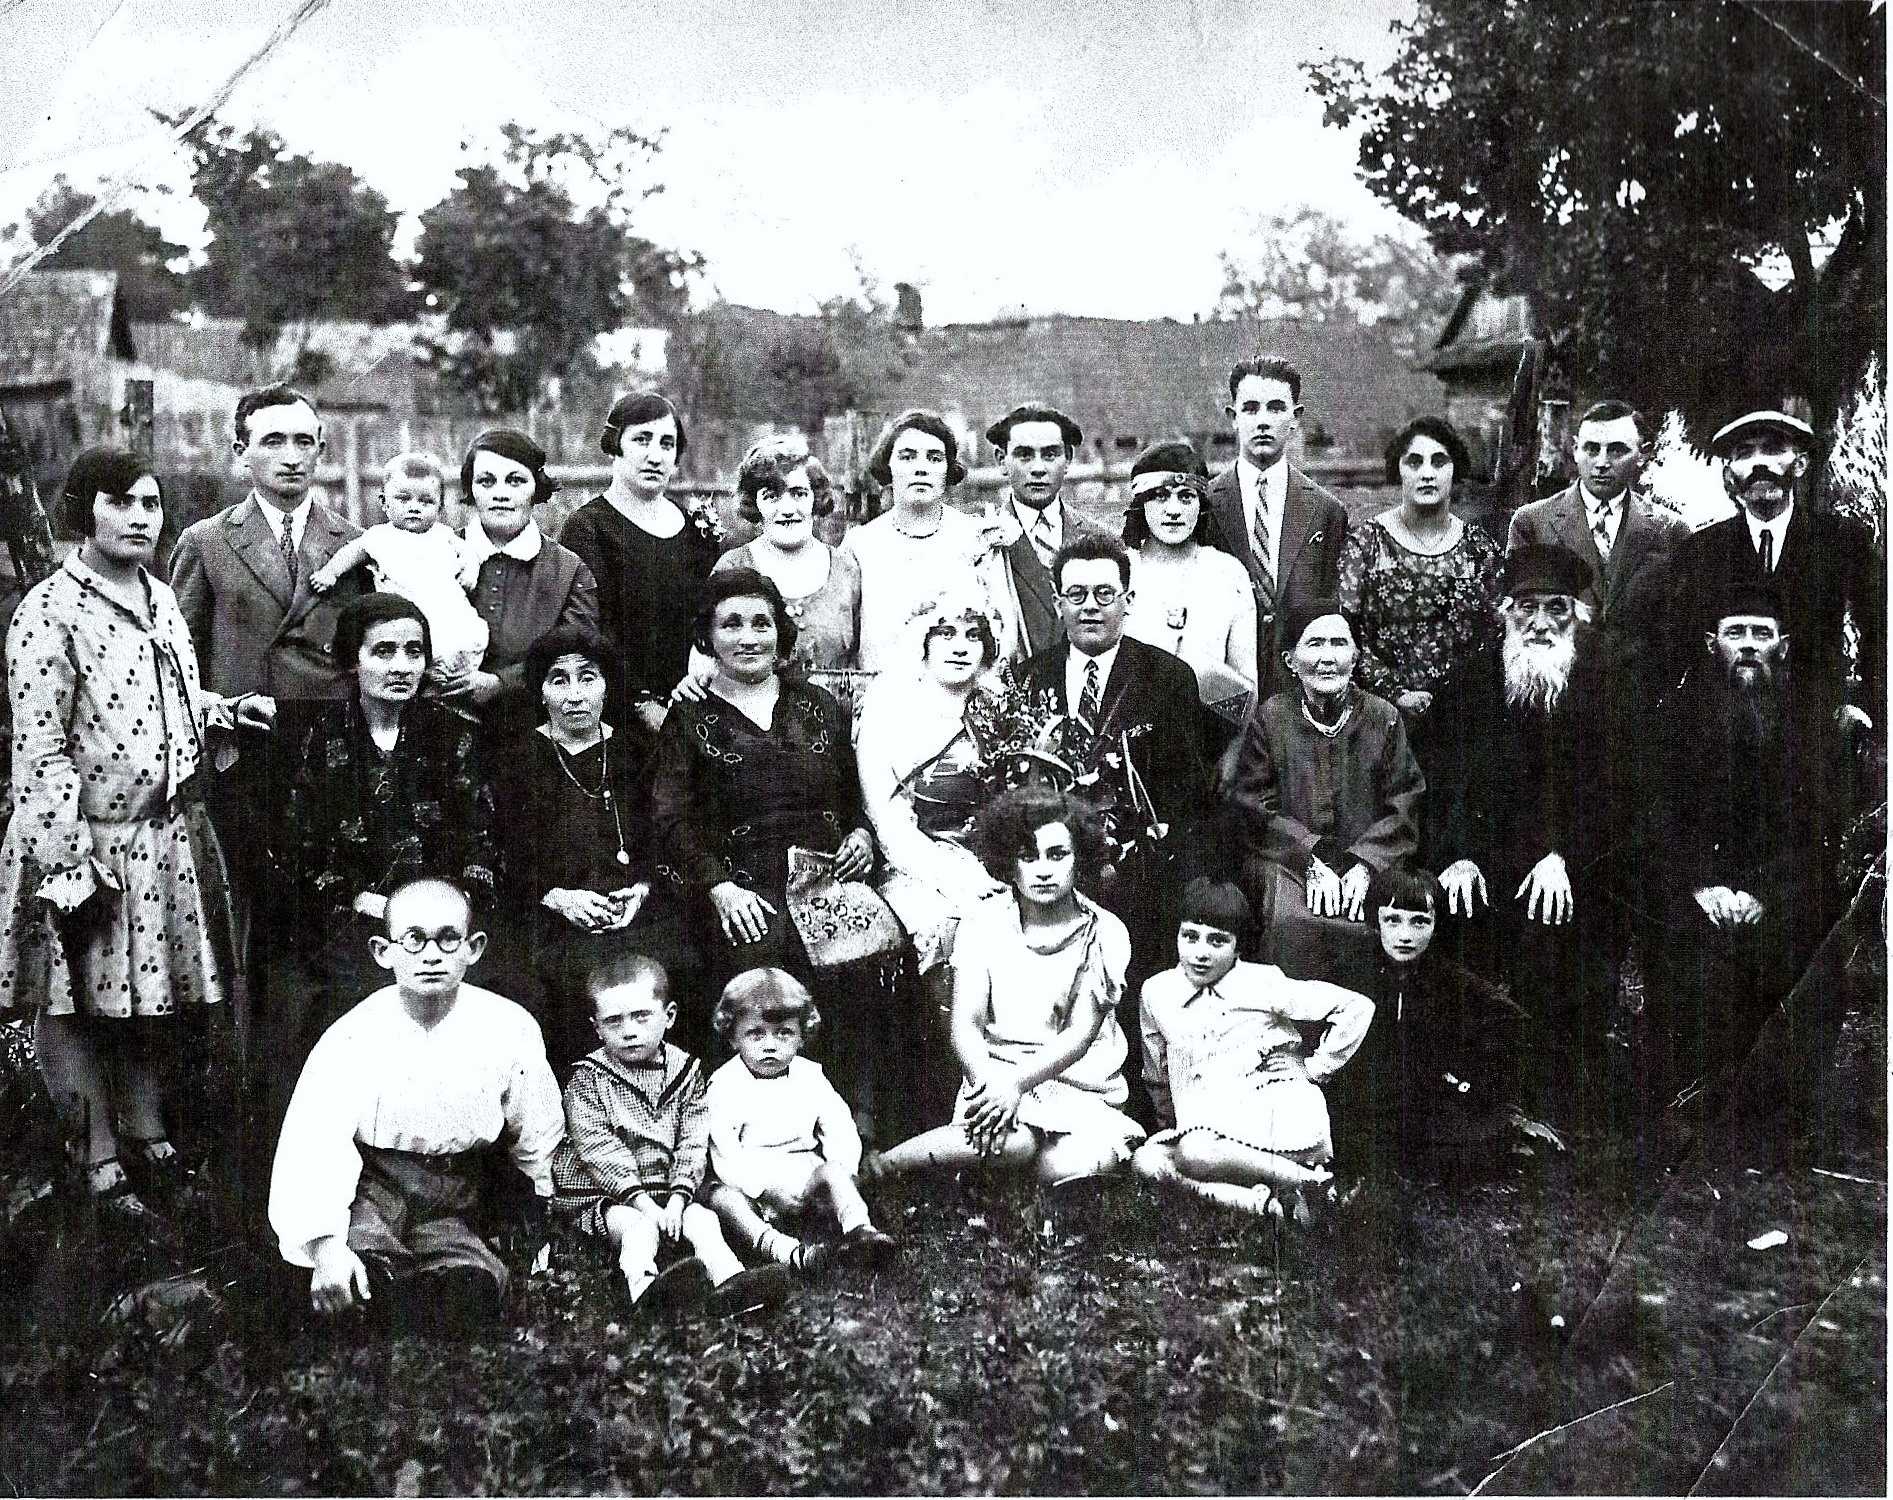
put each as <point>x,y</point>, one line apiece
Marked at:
<point>415,941</point>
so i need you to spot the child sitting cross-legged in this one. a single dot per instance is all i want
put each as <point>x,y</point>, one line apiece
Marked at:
<point>1224,1062</point>
<point>781,1139</point>
<point>1038,973</point>
<point>636,1139</point>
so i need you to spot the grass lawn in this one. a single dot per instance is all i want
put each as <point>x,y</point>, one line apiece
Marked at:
<point>1134,1344</point>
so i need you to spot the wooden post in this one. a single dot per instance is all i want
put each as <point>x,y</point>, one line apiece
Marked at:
<point>351,467</point>
<point>139,415</point>
<point>29,535</point>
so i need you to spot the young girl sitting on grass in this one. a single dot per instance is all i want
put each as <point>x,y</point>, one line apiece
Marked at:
<point>781,1138</point>
<point>1223,1059</point>
<point>1038,974</point>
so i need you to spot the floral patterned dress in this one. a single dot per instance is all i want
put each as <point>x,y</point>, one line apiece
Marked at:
<point>109,723</point>
<point>1420,616</point>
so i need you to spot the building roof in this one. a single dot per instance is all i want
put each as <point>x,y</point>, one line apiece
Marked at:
<point>54,319</point>
<point>371,365</point>
<point>1487,329</point>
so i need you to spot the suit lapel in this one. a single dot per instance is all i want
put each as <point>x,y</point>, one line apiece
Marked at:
<point>1573,525</point>
<point>322,538</point>
<point>1034,584</point>
<point>259,549</point>
<point>1632,533</point>
<point>1298,515</point>
<point>1117,685</point>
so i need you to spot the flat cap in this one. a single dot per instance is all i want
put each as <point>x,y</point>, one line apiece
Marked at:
<point>1780,420</point>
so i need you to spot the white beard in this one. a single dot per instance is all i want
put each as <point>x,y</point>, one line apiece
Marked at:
<point>1536,676</point>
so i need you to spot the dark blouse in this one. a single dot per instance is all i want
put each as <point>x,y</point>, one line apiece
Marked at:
<point>558,830</point>
<point>729,797</point>
<point>647,592</point>
<point>361,820</point>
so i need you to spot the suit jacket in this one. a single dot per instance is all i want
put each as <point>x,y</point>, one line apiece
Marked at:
<point>1826,564</point>
<point>1314,526</point>
<point>1627,594</point>
<point>1146,686</point>
<point>252,633</point>
<point>1038,625</point>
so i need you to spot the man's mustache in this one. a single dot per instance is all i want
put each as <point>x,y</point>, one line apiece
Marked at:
<point>1765,476</point>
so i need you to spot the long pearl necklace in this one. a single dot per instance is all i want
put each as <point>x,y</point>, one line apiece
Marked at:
<point>603,794</point>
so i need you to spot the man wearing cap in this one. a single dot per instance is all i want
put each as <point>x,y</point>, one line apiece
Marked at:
<point>1752,809</point>
<point>1820,565</point>
<point>1036,444</point>
<point>1282,526</point>
<point>1626,543</point>
<point>1525,819</point>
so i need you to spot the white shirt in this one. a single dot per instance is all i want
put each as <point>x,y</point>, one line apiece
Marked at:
<point>1028,520</point>
<point>1265,490</point>
<point>298,519</point>
<point>1616,516</point>
<point>753,1120</point>
<point>1778,528</point>
<point>379,1078</point>
<point>1076,663</point>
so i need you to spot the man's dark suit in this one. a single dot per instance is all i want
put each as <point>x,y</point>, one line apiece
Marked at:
<point>1825,565</point>
<point>1627,595</point>
<point>1039,625</point>
<point>1314,526</point>
<point>1146,686</point>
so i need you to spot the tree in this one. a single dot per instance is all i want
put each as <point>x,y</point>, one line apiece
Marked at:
<point>117,241</point>
<point>292,239</point>
<point>533,254</point>
<point>1306,264</point>
<point>1628,167</point>
<point>847,357</point>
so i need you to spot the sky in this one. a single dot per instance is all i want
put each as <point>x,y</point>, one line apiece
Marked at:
<point>1076,156</point>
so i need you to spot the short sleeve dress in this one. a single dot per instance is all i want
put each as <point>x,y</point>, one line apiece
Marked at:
<point>1420,616</point>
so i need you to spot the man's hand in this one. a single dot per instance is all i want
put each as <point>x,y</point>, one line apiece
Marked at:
<point>1412,701</point>
<point>1728,908</point>
<point>256,711</point>
<point>694,687</point>
<point>1465,888</point>
<point>1547,891</point>
<point>651,714</point>
<point>1853,719</point>
<point>339,1280</point>
<point>1323,894</point>
<point>1354,892</point>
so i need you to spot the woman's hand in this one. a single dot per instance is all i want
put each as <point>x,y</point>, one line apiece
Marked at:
<point>855,857</point>
<point>583,909</point>
<point>1323,894</point>
<point>1412,702</point>
<point>743,915</point>
<point>626,903</point>
<point>1354,892</point>
<point>255,711</point>
<point>694,687</point>
<point>651,714</point>
<point>1464,886</point>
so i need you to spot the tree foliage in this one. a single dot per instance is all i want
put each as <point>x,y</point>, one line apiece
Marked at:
<point>116,241</point>
<point>1626,166</point>
<point>292,239</point>
<point>847,357</point>
<point>1306,264</point>
<point>533,253</point>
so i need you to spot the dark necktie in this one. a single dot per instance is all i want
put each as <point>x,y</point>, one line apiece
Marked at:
<point>289,550</point>
<point>1089,701</point>
<point>1768,552</point>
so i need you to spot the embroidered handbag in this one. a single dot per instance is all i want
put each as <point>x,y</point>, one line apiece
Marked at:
<point>839,921</point>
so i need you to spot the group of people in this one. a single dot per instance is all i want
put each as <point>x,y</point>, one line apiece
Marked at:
<point>1244,840</point>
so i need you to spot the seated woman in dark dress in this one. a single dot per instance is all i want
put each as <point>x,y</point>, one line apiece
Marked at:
<point>580,868</point>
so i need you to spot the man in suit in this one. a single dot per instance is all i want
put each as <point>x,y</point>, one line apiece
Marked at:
<point>1625,544</point>
<point>1119,694</point>
<point>1286,529</point>
<point>1820,565</point>
<point>1036,444</point>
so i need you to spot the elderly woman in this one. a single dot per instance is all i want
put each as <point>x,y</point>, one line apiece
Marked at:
<point>384,787</point>
<point>1193,600</point>
<point>1422,584</point>
<point>648,555</point>
<point>111,881</point>
<point>580,867</point>
<point>906,553</point>
<point>528,584</point>
<point>1328,792</point>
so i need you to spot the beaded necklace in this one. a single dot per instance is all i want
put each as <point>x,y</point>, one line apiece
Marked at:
<point>603,794</point>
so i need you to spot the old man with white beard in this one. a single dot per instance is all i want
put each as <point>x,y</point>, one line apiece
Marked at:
<point>1525,820</point>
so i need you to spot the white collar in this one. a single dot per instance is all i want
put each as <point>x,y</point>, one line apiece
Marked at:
<point>1273,481</point>
<point>273,516</point>
<point>1075,672</point>
<point>1778,526</point>
<point>522,548</point>
<point>1028,517</point>
<point>1619,504</point>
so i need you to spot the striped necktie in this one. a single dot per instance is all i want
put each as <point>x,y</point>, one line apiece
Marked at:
<point>1090,701</point>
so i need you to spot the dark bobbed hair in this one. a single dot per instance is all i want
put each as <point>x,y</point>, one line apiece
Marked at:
<point>1069,432</point>
<point>773,994</point>
<point>568,640</point>
<point>1090,546</point>
<point>509,443</point>
<point>1406,887</point>
<point>362,613</point>
<point>1440,431</point>
<point>252,402</point>
<point>922,420</point>
<point>95,472</point>
<point>766,469</point>
<point>1136,528</point>
<point>1268,367</point>
<point>1006,830</point>
<point>634,409</point>
<point>740,583</point>
<point>627,968</point>
<point>1216,903</point>
<point>1610,410</point>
